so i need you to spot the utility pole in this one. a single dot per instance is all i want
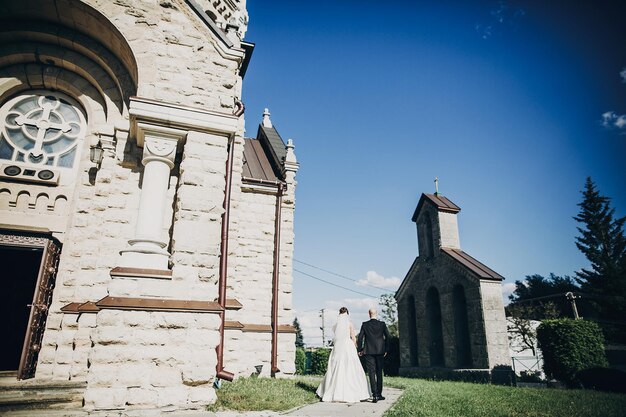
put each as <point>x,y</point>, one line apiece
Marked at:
<point>322,328</point>
<point>572,298</point>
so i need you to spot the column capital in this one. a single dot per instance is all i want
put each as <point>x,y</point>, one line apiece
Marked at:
<point>161,149</point>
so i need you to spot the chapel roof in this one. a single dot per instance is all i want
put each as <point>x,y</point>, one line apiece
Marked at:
<point>256,163</point>
<point>442,203</point>
<point>275,145</point>
<point>475,266</point>
<point>264,157</point>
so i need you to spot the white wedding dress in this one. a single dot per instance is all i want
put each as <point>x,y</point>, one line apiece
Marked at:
<point>345,379</point>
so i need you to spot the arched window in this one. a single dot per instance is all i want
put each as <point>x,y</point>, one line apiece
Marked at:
<point>435,333</point>
<point>427,237</point>
<point>40,129</point>
<point>413,357</point>
<point>461,328</point>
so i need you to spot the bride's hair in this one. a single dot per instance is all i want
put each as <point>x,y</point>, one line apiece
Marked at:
<point>343,310</point>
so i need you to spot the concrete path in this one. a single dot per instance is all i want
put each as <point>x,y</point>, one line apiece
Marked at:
<point>320,409</point>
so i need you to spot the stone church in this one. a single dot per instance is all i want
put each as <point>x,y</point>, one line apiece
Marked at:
<point>146,243</point>
<point>450,308</point>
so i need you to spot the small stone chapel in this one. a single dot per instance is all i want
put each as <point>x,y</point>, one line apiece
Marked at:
<point>146,243</point>
<point>450,308</point>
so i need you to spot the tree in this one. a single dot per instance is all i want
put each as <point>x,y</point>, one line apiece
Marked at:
<point>389,313</point>
<point>299,338</point>
<point>522,329</point>
<point>602,241</point>
<point>543,297</point>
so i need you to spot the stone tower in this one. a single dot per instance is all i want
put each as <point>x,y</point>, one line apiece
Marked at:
<point>450,308</point>
<point>151,241</point>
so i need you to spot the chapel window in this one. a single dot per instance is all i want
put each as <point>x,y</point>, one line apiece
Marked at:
<point>40,129</point>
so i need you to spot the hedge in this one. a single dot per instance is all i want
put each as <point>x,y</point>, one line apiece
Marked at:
<point>319,361</point>
<point>300,361</point>
<point>569,346</point>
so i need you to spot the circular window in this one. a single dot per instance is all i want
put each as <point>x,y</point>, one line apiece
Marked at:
<point>41,128</point>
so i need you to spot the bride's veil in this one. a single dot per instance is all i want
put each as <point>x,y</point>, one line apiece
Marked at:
<point>342,328</point>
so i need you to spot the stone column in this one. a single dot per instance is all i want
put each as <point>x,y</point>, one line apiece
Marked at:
<point>147,248</point>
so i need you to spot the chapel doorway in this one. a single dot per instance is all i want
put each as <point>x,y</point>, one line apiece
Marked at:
<point>29,265</point>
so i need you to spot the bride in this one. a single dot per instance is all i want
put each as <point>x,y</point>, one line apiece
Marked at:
<point>345,379</point>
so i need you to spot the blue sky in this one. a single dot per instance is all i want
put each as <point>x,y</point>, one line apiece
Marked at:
<point>510,104</point>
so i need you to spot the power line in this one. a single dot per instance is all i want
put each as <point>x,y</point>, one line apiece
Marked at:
<point>341,276</point>
<point>335,285</point>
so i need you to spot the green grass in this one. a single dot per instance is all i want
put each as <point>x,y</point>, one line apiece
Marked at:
<point>423,398</point>
<point>258,394</point>
<point>450,399</point>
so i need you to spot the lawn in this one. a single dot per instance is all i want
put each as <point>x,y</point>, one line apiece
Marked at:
<point>429,398</point>
<point>257,394</point>
<point>444,398</point>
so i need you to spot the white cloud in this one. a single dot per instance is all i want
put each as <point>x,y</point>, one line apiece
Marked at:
<point>610,120</point>
<point>623,74</point>
<point>507,289</point>
<point>374,279</point>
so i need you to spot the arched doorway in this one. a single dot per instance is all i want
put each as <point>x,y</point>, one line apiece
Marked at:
<point>461,328</point>
<point>435,332</point>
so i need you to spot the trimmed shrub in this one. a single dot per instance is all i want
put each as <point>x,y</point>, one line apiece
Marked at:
<point>603,379</point>
<point>392,360</point>
<point>569,346</point>
<point>319,361</point>
<point>300,361</point>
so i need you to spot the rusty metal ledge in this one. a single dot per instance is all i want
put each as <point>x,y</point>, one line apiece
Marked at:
<point>78,308</point>
<point>266,328</point>
<point>141,273</point>
<point>157,304</point>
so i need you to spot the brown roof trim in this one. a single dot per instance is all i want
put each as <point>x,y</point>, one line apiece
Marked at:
<point>478,268</point>
<point>233,304</point>
<point>78,308</point>
<point>141,273</point>
<point>266,328</point>
<point>442,203</point>
<point>157,304</point>
<point>232,325</point>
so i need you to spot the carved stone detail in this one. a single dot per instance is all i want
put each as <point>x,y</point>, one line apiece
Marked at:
<point>11,239</point>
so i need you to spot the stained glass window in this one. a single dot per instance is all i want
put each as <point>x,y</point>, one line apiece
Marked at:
<point>41,128</point>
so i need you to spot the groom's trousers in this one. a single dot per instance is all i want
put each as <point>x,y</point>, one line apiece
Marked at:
<point>375,365</point>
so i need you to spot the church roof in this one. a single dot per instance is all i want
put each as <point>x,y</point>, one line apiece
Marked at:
<point>256,163</point>
<point>442,203</point>
<point>274,145</point>
<point>478,268</point>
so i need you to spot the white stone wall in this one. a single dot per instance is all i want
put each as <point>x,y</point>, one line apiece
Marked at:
<point>448,230</point>
<point>179,60</point>
<point>149,358</point>
<point>495,325</point>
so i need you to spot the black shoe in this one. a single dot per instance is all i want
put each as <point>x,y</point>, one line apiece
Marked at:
<point>375,399</point>
<point>381,398</point>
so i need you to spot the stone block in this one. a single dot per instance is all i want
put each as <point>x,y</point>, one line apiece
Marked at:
<point>141,397</point>
<point>105,398</point>
<point>165,376</point>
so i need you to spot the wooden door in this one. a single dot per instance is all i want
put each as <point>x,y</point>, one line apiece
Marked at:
<point>42,298</point>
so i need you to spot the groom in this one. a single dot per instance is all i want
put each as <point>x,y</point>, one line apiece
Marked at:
<point>376,338</point>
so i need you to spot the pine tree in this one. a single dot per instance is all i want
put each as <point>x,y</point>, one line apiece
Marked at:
<point>299,338</point>
<point>602,241</point>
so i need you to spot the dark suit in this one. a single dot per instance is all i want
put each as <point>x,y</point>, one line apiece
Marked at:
<point>376,336</point>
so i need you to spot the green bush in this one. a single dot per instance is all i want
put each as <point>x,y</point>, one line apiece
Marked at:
<point>300,361</point>
<point>392,360</point>
<point>319,361</point>
<point>569,346</point>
